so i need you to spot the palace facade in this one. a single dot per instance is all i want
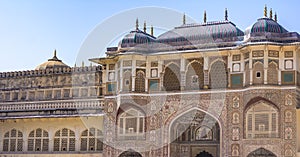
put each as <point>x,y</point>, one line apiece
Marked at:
<point>198,90</point>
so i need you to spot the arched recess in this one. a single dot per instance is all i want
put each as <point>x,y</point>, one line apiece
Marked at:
<point>131,122</point>
<point>194,76</point>
<point>140,80</point>
<point>258,73</point>
<point>130,153</point>
<point>247,74</point>
<point>273,73</point>
<point>127,80</point>
<point>171,77</point>
<point>38,140</point>
<point>261,119</point>
<point>195,129</point>
<point>261,152</point>
<point>218,77</point>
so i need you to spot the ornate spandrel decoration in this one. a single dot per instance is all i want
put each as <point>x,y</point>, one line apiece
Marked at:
<point>236,102</point>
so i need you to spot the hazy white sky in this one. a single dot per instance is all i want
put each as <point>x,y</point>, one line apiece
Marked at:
<point>30,30</point>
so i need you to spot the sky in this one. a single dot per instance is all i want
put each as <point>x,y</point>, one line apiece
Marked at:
<point>30,30</point>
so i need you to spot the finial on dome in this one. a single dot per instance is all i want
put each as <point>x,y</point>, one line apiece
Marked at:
<point>204,18</point>
<point>266,11</point>
<point>152,30</point>
<point>183,19</point>
<point>271,14</point>
<point>226,14</point>
<point>54,53</point>
<point>145,27</point>
<point>275,17</point>
<point>137,24</point>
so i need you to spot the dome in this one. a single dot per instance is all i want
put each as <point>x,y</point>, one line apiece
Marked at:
<point>54,62</point>
<point>267,25</point>
<point>217,31</point>
<point>136,37</point>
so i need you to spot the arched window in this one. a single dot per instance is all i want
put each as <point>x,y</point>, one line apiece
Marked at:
<point>247,73</point>
<point>258,73</point>
<point>13,141</point>
<point>171,78</point>
<point>127,80</point>
<point>194,76</point>
<point>91,140</point>
<point>261,152</point>
<point>64,140</point>
<point>218,75</point>
<point>140,81</point>
<point>272,73</point>
<point>204,133</point>
<point>38,140</point>
<point>262,121</point>
<point>131,124</point>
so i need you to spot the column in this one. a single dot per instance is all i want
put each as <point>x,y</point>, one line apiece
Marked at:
<point>25,139</point>
<point>205,71</point>
<point>182,73</point>
<point>159,72</point>
<point>280,64</point>
<point>51,138</point>
<point>77,138</point>
<point>148,71</point>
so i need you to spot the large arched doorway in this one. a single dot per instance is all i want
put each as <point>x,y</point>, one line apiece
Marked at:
<point>195,134</point>
<point>261,152</point>
<point>130,153</point>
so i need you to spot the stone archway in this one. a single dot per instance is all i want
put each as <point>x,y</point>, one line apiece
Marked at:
<point>261,152</point>
<point>130,153</point>
<point>194,134</point>
<point>204,154</point>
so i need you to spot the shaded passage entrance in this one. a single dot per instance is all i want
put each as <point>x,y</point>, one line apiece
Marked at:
<point>195,134</point>
<point>261,152</point>
<point>130,153</point>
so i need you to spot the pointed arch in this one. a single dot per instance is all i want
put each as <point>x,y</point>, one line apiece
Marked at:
<point>258,73</point>
<point>273,73</point>
<point>140,80</point>
<point>261,152</point>
<point>171,77</point>
<point>130,153</point>
<point>247,73</point>
<point>131,123</point>
<point>38,140</point>
<point>261,119</point>
<point>127,80</point>
<point>218,77</point>
<point>194,75</point>
<point>188,122</point>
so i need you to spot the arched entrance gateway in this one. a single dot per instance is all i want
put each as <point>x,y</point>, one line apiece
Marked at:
<point>261,152</point>
<point>130,153</point>
<point>195,134</point>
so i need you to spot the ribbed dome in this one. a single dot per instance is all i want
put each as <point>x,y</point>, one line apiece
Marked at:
<point>223,30</point>
<point>136,37</point>
<point>54,62</point>
<point>267,25</point>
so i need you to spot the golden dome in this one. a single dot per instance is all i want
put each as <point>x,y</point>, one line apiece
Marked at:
<point>54,62</point>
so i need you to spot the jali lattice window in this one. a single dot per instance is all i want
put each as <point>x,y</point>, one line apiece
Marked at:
<point>91,140</point>
<point>262,121</point>
<point>64,140</point>
<point>38,140</point>
<point>13,141</point>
